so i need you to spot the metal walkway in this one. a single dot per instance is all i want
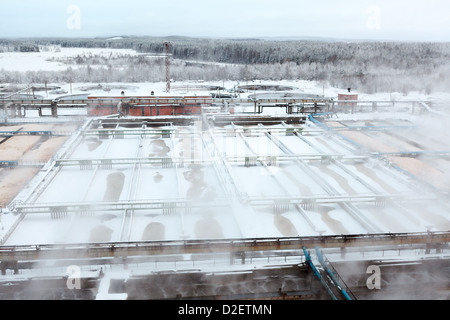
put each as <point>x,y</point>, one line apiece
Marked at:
<point>92,207</point>
<point>233,246</point>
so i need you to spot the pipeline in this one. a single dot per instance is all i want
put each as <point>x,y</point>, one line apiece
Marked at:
<point>317,274</point>
<point>320,124</point>
<point>414,177</point>
<point>380,155</point>
<point>331,274</point>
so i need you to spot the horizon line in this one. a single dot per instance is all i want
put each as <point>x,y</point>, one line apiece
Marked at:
<point>267,38</point>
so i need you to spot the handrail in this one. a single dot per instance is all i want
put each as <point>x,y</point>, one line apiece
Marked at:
<point>199,99</point>
<point>144,248</point>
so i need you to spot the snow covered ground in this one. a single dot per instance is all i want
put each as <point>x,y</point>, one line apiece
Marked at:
<point>50,60</point>
<point>303,178</point>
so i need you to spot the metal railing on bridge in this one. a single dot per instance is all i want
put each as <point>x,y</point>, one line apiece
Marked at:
<point>22,163</point>
<point>151,248</point>
<point>35,133</point>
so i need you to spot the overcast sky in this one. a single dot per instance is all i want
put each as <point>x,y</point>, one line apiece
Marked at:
<point>408,20</point>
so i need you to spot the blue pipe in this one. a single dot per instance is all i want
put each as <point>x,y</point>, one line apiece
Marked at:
<point>378,155</point>
<point>373,127</point>
<point>311,118</point>
<point>414,177</point>
<point>328,128</point>
<point>331,274</point>
<point>317,274</point>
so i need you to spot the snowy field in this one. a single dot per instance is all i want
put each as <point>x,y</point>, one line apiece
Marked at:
<point>50,60</point>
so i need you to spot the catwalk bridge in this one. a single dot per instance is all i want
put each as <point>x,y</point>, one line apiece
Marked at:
<point>177,105</point>
<point>232,246</point>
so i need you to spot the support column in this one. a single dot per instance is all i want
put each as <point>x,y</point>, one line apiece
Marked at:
<point>54,107</point>
<point>343,252</point>
<point>12,111</point>
<point>289,108</point>
<point>243,257</point>
<point>16,267</point>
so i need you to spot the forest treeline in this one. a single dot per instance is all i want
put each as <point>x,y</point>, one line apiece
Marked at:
<point>366,66</point>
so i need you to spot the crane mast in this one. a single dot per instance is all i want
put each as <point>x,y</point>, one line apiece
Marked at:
<point>167,47</point>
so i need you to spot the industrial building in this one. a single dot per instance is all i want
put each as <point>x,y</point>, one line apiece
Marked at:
<point>201,198</point>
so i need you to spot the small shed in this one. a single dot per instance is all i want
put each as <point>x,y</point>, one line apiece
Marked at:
<point>350,96</point>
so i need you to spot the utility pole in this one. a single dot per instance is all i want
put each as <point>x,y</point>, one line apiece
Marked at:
<point>167,46</point>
